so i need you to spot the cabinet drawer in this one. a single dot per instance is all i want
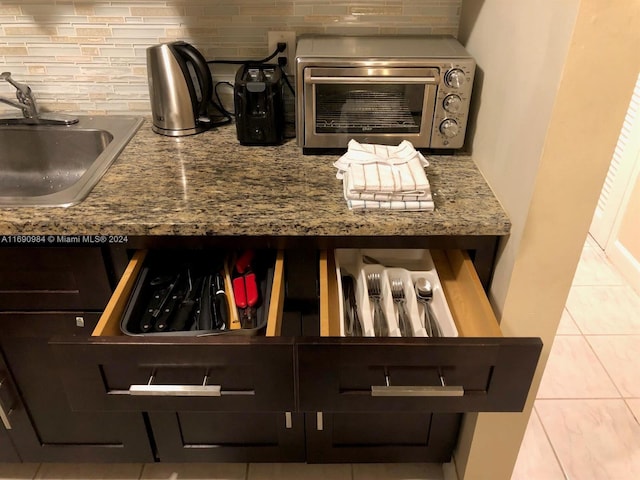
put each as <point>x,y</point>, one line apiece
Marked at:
<point>111,371</point>
<point>477,371</point>
<point>53,279</point>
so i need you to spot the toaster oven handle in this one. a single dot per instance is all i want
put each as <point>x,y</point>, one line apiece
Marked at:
<point>376,80</point>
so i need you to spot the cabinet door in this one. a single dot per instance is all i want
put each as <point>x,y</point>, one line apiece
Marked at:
<point>381,437</point>
<point>7,452</point>
<point>192,436</point>
<point>35,278</point>
<point>8,406</point>
<point>45,429</point>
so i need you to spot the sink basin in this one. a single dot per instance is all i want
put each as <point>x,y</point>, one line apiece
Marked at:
<point>44,165</point>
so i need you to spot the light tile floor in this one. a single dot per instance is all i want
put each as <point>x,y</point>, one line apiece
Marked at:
<point>585,423</point>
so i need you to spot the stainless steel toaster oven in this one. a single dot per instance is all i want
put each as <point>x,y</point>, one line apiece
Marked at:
<point>382,89</point>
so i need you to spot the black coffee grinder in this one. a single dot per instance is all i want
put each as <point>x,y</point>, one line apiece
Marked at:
<point>259,104</point>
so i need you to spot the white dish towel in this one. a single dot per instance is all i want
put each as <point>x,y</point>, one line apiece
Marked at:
<point>382,176</point>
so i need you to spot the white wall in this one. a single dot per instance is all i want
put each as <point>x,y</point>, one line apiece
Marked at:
<point>520,48</point>
<point>559,133</point>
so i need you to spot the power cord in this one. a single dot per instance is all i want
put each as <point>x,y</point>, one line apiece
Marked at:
<point>282,62</point>
<point>217,94</point>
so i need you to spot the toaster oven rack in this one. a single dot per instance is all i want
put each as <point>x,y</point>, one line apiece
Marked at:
<point>365,111</point>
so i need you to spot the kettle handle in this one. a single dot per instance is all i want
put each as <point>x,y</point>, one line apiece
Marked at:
<point>202,72</point>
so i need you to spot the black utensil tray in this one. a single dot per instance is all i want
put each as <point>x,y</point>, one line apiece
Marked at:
<point>163,266</point>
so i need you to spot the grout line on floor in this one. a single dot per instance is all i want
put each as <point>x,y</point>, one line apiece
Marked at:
<point>553,449</point>
<point>603,365</point>
<point>580,399</point>
<point>637,419</point>
<point>572,319</point>
<point>35,475</point>
<point>609,335</point>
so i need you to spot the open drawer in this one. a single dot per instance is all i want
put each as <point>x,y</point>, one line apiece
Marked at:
<point>479,370</point>
<point>112,371</point>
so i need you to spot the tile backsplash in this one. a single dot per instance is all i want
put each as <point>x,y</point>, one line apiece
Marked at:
<point>88,56</point>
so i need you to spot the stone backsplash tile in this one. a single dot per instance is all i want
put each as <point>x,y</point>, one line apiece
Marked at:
<point>90,57</point>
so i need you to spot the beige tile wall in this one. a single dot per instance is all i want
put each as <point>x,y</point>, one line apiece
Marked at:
<point>88,56</point>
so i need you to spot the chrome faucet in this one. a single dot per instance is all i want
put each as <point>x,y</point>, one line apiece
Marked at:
<point>27,103</point>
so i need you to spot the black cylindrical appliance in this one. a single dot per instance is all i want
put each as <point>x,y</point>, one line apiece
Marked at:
<point>259,104</point>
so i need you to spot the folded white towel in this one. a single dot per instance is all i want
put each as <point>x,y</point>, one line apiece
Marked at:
<point>368,152</point>
<point>384,169</point>
<point>422,205</point>
<point>350,193</point>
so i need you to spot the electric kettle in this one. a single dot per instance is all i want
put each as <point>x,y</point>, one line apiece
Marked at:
<point>180,89</point>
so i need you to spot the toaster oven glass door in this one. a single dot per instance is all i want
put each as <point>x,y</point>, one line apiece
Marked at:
<point>376,105</point>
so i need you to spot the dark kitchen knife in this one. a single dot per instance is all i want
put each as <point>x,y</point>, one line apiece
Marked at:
<point>220,304</point>
<point>205,318</point>
<point>162,322</point>
<point>157,305</point>
<point>184,316</point>
<point>148,320</point>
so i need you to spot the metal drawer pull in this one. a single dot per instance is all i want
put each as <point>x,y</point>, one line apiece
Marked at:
<point>176,390</point>
<point>204,390</point>
<point>429,391</point>
<point>4,415</point>
<point>442,390</point>
<point>288,421</point>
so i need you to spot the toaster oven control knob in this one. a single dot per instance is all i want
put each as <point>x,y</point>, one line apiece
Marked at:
<point>449,128</point>
<point>452,103</point>
<point>454,78</point>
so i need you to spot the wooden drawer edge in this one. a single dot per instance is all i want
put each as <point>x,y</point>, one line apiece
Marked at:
<point>329,302</point>
<point>467,300</point>
<point>276,302</point>
<point>469,305</point>
<point>109,323</point>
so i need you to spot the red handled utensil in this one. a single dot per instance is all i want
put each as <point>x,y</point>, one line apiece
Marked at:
<point>245,290</point>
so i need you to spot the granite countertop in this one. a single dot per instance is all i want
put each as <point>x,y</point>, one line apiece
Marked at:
<point>208,184</point>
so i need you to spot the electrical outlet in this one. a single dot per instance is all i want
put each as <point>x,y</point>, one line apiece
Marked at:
<point>289,38</point>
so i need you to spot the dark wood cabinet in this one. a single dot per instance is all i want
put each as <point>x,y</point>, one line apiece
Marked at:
<point>389,436</point>
<point>9,406</point>
<point>241,406</point>
<point>197,436</point>
<point>45,428</point>
<point>242,374</point>
<point>44,292</point>
<point>322,398</point>
<point>7,451</point>
<point>50,279</point>
<point>416,375</point>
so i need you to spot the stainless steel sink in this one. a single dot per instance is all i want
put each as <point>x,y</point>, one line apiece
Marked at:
<point>44,165</point>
